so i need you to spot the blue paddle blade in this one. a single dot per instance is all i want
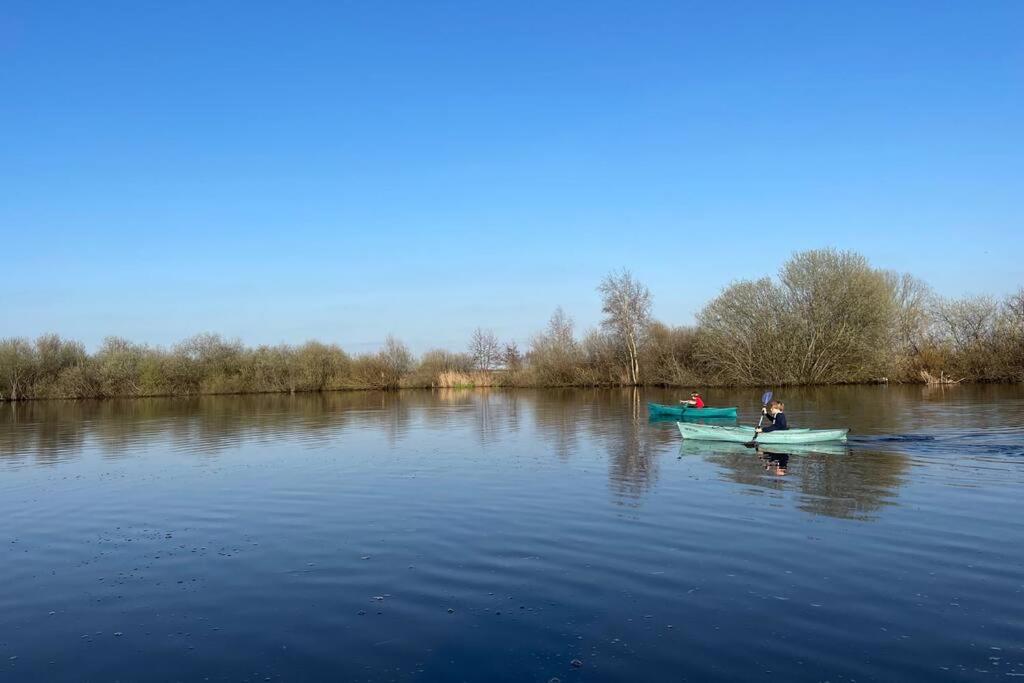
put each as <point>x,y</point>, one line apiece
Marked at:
<point>767,397</point>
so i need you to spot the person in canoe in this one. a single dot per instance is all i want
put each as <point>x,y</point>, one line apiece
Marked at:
<point>776,415</point>
<point>695,401</point>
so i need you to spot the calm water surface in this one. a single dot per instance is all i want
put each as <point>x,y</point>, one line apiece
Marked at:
<point>493,536</point>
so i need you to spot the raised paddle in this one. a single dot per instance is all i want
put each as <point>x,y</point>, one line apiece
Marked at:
<point>764,401</point>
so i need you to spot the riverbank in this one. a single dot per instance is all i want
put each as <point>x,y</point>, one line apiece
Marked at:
<point>493,381</point>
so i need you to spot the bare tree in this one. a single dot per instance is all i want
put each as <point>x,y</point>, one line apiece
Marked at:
<point>967,322</point>
<point>741,334</point>
<point>560,329</point>
<point>554,354</point>
<point>485,349</point>
<point>829,319</point>
<point>626,305</point>
<point>511,357</point>
<point>669,355</point>
<point>1012,334</point>
<point>1013,311</point>
<point>843,312</point>
<point>318,364</point>
<point>396,361</point>
<point>913,299</point>
<point>604,361</point>
<point>17,360</point>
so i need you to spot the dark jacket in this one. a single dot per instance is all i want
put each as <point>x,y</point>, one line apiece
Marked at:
<point>778,423</point>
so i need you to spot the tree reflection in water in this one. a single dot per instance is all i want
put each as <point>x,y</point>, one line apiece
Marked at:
<point>829,479</point>
<point>566,424</point>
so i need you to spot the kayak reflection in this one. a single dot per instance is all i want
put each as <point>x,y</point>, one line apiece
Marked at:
<point>831,479</point>
<point>695,447</point>
<point>776,457</point>
<point>690,417</point>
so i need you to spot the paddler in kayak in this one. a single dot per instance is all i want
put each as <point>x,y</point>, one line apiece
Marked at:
<point>695,401</point>
<point>776,416</point>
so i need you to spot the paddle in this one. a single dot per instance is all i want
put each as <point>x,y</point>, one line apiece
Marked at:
<point>764,401</point>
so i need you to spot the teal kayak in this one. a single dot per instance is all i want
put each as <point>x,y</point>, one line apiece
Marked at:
<point>690,417</point>
<point>690,411</point>
<point>745,434</point>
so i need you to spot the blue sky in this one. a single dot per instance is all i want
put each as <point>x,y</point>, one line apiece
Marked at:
<point>341,171</point>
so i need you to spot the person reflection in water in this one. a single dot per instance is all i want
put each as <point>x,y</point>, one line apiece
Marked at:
<point>774,463</point>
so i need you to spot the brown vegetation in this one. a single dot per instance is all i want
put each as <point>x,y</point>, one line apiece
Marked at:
<point>830,317</point>
<point>929,378</point>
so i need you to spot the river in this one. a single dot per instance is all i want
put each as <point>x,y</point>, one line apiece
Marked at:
<point>511,536</point>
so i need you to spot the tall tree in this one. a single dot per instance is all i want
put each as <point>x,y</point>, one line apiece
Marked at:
<point>841,316</point>
<point>17,362</point>
<point>511,357</point>
<point>485,349</point>
<point>396,361</point>
<point>626,305</point>
<point>554,353</point>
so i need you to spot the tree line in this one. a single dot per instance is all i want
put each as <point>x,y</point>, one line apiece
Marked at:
<point>828,317</point>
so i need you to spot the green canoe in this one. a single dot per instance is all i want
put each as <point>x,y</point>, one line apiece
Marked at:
<point>745,434</point>
<point>690,411</point>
